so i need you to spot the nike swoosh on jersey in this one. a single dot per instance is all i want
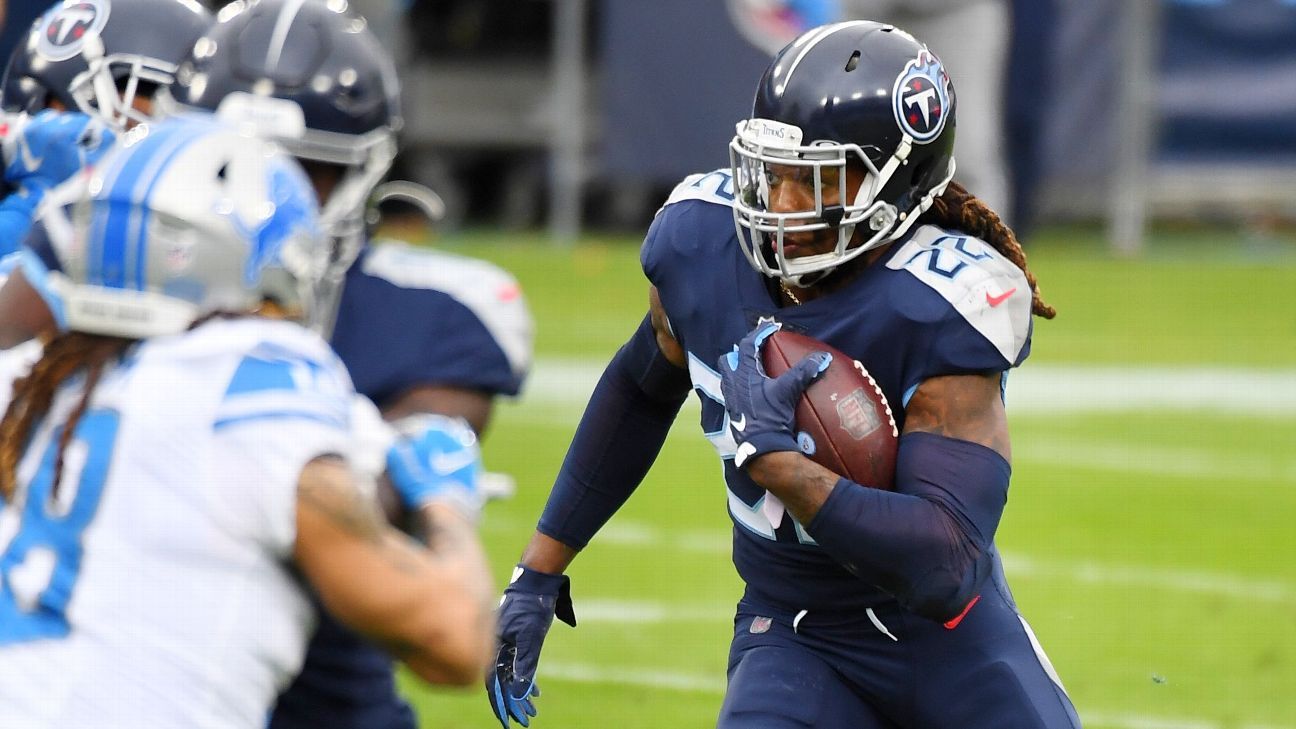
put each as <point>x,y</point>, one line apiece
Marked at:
<point>29,160</point>
<point>740,424</point>
<point>994,301</point>
<point>445,464</point>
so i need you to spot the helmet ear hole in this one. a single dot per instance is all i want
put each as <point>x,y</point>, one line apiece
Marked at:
<point>223,172</point>
<point>921,171</point>
<point>853,63</point>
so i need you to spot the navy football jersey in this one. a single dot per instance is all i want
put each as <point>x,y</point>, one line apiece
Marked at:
<point>408,317</point>
<point>412,316</point>
<point>937,302</point>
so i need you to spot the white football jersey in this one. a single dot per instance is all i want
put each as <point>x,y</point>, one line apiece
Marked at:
<point>154,587</point>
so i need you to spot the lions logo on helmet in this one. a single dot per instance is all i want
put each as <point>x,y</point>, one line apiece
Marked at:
<point>68,25</point>
<point>922,98</point>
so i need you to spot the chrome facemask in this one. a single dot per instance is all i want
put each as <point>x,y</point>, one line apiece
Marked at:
<point>760,143</point>
<point>96,89</point>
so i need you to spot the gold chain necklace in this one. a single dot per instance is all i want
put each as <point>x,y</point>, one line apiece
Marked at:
<point>788,291</point>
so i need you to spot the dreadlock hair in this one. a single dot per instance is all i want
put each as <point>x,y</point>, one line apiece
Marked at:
<point>961,210</point>
<point>65,355</point>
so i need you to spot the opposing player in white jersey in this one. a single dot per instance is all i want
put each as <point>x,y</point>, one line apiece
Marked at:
<point>175,469</point>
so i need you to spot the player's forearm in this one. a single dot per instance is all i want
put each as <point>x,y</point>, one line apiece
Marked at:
<point>927,543</point>
<point>620,434</point>
<point>546,554</point>
<point>465,599</point>
<point>801,484</point>
<point>430,604</point>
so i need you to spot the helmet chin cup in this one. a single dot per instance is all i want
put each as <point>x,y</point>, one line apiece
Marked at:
<point>883,219</point>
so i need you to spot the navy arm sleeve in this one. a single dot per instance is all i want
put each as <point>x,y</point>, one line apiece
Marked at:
<point>929,542</point>
<point>619,436</point>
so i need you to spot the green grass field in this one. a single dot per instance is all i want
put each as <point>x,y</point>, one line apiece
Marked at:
<point>1149,541</point>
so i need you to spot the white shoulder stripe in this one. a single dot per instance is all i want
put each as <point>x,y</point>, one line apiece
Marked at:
<point>713,187</point>
<point>280,35</point>
<point>983,286</point>
<point>810,40</point>
<point>491,293</point>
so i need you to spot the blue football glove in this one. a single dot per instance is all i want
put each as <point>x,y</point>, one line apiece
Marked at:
<point>45,150</point>
<point>436,459</point>
<point>761,409</point>
<point>530,603</point>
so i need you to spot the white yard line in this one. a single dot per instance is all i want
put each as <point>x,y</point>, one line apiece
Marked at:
<point>1113,457</point>
<point>638,535</point>
<point>558,390</point>
<point>714,685</point>
<point>632,677</point>
<point>1041,388</point>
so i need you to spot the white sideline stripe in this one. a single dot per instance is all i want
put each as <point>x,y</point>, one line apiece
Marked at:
<point>1202,583</point>
<point>1117,720</point>
<point>639,535</point>
<point>633,677</point>
<point>649,678</point>
<point>1111,457</point>
<point>645,612</point>
<point>1257,465</point>
<point>619,611</point>
<point>1040,388</point>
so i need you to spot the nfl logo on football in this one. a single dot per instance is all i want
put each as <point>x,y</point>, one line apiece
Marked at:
<point>857,418</point>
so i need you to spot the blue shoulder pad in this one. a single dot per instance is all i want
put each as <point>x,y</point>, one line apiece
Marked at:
<point>275,382</point>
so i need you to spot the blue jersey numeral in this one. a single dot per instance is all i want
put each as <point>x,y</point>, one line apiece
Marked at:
<point>39,568</point>
<point>949,255</point>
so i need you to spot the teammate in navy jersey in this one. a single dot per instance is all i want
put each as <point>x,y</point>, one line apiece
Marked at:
<point>838,218</point>
<point>419,331</point>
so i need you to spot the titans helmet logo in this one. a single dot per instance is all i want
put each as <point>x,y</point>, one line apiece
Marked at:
<point>64,29</point>
<point>921,99</point>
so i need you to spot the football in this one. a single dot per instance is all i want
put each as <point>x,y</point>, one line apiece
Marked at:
<point>843,422</point>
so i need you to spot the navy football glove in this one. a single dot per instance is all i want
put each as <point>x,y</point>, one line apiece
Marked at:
<point>761,409</point>
<point>530,603</point>
<point>436,459</point>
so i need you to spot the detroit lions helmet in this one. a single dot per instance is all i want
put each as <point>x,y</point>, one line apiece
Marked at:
<point>184,218</point>
<point>99,56</point>
<point>858,94</point>
<point>311,76</point>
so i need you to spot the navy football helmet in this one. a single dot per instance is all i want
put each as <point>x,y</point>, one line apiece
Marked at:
<point>311,76</point>
<point>99,56</point>
<point>858,94</point>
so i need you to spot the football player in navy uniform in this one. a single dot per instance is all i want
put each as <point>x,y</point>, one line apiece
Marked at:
<point>419,331</point>
<point>838,218</point>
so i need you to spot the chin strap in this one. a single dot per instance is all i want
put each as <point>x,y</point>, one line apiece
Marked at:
<point>924,203</point>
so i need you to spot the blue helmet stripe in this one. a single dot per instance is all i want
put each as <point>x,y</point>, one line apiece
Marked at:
<point>123,216</point>
<point>154,175</point>
<point>99,224</point>
<point>111,266</point>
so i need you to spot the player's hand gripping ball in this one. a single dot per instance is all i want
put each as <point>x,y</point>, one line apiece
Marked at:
<point>843,420</point>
